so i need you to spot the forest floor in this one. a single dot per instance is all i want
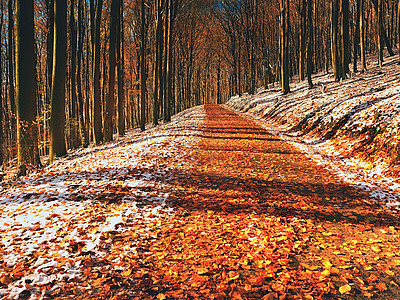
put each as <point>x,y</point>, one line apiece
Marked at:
<point>351,127</point>
<point>209,206</point>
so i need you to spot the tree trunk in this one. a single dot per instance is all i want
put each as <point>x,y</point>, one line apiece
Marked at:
<point>96,92</point>
<point>334,39</point>
<point>78,78</point>
<point>379,30</point>
<point>120,72</point>
<point>10,55</point>
<point>109,111</point>
<point>57,113</point>
<point>398,25</point>
<point>345,54</point>
<point>362,37</point>
<point>309,44</point>
<point>143,69</point>
<point>284,46</point>
<point>158,23</point>
<point>302,38</point>
<point>25,87</point>
<point>356,35</point>
<point>166,58</point>
<point>73,122</point>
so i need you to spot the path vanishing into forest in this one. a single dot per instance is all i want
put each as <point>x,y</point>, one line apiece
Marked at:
<point>214,207</point>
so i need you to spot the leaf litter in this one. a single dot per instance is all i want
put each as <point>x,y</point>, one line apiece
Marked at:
<point>210,206</point>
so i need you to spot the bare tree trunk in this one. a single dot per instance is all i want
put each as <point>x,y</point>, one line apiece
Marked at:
<point>284,49</point>
<point>109,111</point>
<point>379,30</point>
<point>143,69</point>
<point>25,87</point>
<point>158,23</point>
<point>398,25</point>
<point>78,78</point>
<point>73,122</point>
<point>302,38</point>
<point>345,53</point>
<point>334,39</point>
<point>96,92</point>
<point>10,55</point>
<point>57,114</point>
<point>166,60</point>
<point>120,72</point>
<point>356,35</point>
<point>362,38</point>
<point>309,44</point>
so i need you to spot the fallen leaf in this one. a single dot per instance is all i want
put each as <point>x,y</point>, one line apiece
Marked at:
<point>344,289</point>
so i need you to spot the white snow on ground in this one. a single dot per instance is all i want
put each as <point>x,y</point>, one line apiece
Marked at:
<point>47,216</point>
<point>365,103</point>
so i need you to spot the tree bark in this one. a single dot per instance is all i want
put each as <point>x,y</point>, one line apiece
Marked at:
<point>379,30</point>
<point>109,113</point>
<point>25,87</point>
<point>284,49</point>
<point>362,38</point>
<point>158,25</point>
<point>120,72</point>
<point>398,25</point>
<point>57,113</point>
<point>143,69</point>
<point>82,127</point>
<point>356,35</point>
<point>302,38</point>
<point>345,53</point>
<point>10,54</point>
<point>73,121</point>
<point>310,44</point>
<point>96,92</point>
<point>166,58</point>
<point>334,39</point>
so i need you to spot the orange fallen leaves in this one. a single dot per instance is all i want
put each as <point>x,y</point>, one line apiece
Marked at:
<point>230,233</point>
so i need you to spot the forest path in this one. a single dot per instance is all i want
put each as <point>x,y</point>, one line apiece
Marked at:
<point>262,211</point>
<point>208,206</point>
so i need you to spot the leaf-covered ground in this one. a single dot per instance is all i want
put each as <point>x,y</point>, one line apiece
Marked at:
<point>211,206</point>
<point>353,124</point>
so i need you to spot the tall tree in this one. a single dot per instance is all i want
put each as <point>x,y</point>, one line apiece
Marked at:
<point>165,63</point>
<point>109,113</point>
<point>120,71</point>
<point>57,113</point>
<point>78,76</point>
<point>284,45</point>
<point>302,37</point>
<point>157,53</point>
<point>73,105</point>
<point>10,55</point>
<point>96,92</point>
<point>380,32</point>
<point>143,74</point>
<point>398,24</point>
<point>362,37</point>
<point>345,53</point>
<point>356,35</point>
<point>309,43</point>
<point>25,87</point>
<point>334,39</point>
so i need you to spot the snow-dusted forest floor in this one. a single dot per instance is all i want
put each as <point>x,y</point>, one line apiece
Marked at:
<point>351,127</point>
<point>209,206</point>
